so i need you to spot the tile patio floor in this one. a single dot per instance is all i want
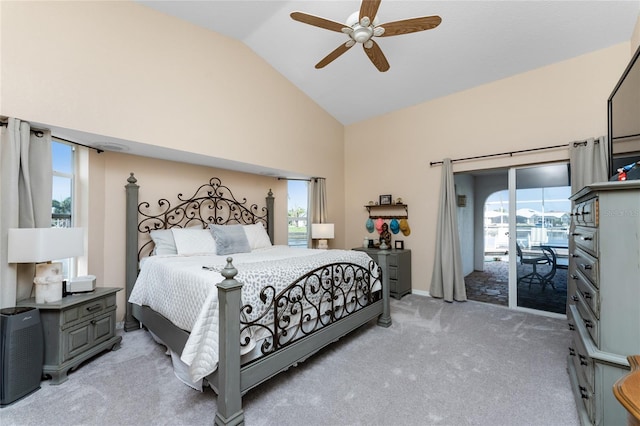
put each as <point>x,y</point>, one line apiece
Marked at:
<point>492,286</point>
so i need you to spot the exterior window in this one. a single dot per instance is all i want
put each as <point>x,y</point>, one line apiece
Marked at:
<point>62,193</point>
<point>297,194</point>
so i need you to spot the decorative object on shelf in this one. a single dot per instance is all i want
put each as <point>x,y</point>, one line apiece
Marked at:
<point>371,203</point>
<point>42,245</point>
<point>365,242</point>
<point>399,200</point>
<point>371,244</point>
<point>322,232</point>
<point>385,200</point>
<point>385,237</point>
<point>404,227</point>
<point>379,222</point>
<point>369,225</point>
<point>399,244</point>
<point>394,225</point>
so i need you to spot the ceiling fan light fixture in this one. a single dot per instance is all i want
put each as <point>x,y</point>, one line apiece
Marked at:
<point>378,31</point>
<point>361,34</point>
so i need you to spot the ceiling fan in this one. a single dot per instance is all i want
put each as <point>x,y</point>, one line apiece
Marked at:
<point>362,26</point>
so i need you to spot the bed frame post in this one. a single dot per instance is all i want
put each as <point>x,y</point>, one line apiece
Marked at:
<point>229,395</point>
<point>270,216</point>
<point>131,251</point>
<point>384,320</point>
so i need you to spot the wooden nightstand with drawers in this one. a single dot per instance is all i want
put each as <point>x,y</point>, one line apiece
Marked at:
<point>76,328</point>
<point>396,269</point>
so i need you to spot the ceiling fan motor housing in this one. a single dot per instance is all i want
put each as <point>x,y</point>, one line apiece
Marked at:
<point>360,33</point>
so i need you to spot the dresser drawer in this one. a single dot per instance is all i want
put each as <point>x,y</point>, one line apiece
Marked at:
<point>83,311</point>
<point>393,260</point>
<point>582,361</point>
<point>588,319</point>
<point>586,213</point>
<point>586,239</point>
<point>589,293</point>
<point>586,264</point>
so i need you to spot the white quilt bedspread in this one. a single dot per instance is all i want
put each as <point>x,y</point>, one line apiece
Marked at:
<point>183,289</point>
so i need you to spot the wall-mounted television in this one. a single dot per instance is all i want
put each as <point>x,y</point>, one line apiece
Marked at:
<point>624,118</point>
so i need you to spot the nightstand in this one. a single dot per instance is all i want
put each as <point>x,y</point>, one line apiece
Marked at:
<point>396,269</point>
<point>75,329</point>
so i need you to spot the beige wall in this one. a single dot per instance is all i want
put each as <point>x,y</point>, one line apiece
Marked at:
<point>391,154</point>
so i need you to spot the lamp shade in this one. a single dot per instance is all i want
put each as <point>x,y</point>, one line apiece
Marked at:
<point>322,231</point>
<point>35,245</point>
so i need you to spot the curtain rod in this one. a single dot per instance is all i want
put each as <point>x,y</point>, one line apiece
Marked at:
<point>40,133</point>
<point>434,163</point>
<point>306,180</point>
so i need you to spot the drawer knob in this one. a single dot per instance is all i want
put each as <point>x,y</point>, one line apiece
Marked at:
<point>583,360</point>
<point>93,307</point>
<point>583,392</point>
<point>587,295</point>
<point>588,323</point>
<point>587,238</point>
<point>585,266</point>
<point>571,327</point>
<point>574,277</point>
<point>574,298</point>
<point>574,255</point>
<point>572,352</point>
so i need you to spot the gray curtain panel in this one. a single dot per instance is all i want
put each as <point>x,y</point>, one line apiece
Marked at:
<point>318,204</point>
<point>447,280</point>
<point>25,190</point>
<point>588,162</point>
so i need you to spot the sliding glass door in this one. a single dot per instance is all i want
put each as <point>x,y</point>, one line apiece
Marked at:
<point>538,243</point>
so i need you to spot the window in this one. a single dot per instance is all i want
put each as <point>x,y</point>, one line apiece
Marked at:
<point>297,195</point>
<point>62,193</point>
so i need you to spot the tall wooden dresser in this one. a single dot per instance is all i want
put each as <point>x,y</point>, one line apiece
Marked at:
<point>604,296</point>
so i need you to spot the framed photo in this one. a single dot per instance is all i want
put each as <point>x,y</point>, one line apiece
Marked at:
<point>399,245</point>
<point>385,200</point>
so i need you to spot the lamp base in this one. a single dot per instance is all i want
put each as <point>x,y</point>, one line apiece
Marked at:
<point>323,245</point>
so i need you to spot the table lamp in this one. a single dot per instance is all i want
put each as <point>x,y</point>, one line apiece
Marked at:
<point>322,232</point>
<point>41,246</point>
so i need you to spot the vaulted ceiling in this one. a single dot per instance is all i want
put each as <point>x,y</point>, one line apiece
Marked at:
<point>477,42</point>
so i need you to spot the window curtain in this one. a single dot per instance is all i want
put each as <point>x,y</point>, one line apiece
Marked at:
<point>447,280</point>
<point>589,162</point>
<point>25,190</point>
<point>317,204</point>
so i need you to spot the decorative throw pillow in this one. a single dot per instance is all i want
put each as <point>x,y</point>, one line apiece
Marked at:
<point>163,242</point>
<point>191,241</point>
<point>230,239</point>
<point>257,236</point>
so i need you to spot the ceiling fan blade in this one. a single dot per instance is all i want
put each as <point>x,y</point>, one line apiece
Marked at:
<point>333,55</point>
<point>411,25</point>
<point>316,21</point>
<point>369,8</point>
<point>377,57</point>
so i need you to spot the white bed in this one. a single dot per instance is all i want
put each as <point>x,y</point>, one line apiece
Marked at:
<point>238,316</point>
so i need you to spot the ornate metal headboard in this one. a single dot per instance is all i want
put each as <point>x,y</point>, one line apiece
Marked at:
<point>210,203</point>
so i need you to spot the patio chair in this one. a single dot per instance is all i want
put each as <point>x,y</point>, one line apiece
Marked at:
<point>545,257</point>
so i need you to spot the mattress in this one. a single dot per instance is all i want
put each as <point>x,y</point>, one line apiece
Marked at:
<point>183,289</point>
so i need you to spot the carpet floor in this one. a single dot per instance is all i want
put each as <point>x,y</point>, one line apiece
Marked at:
<point>438,364</point>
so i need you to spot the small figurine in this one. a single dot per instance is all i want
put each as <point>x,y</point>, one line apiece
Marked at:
<point>385,236</point>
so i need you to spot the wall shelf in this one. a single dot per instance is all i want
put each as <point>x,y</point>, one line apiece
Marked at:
<point>374,211</point>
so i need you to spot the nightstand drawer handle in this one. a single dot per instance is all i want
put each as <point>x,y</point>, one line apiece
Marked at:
<point>94,307</point>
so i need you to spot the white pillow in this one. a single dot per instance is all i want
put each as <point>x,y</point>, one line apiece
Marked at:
<point>257,236</point>
<point>163,242</point>
<point>194,241</point>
